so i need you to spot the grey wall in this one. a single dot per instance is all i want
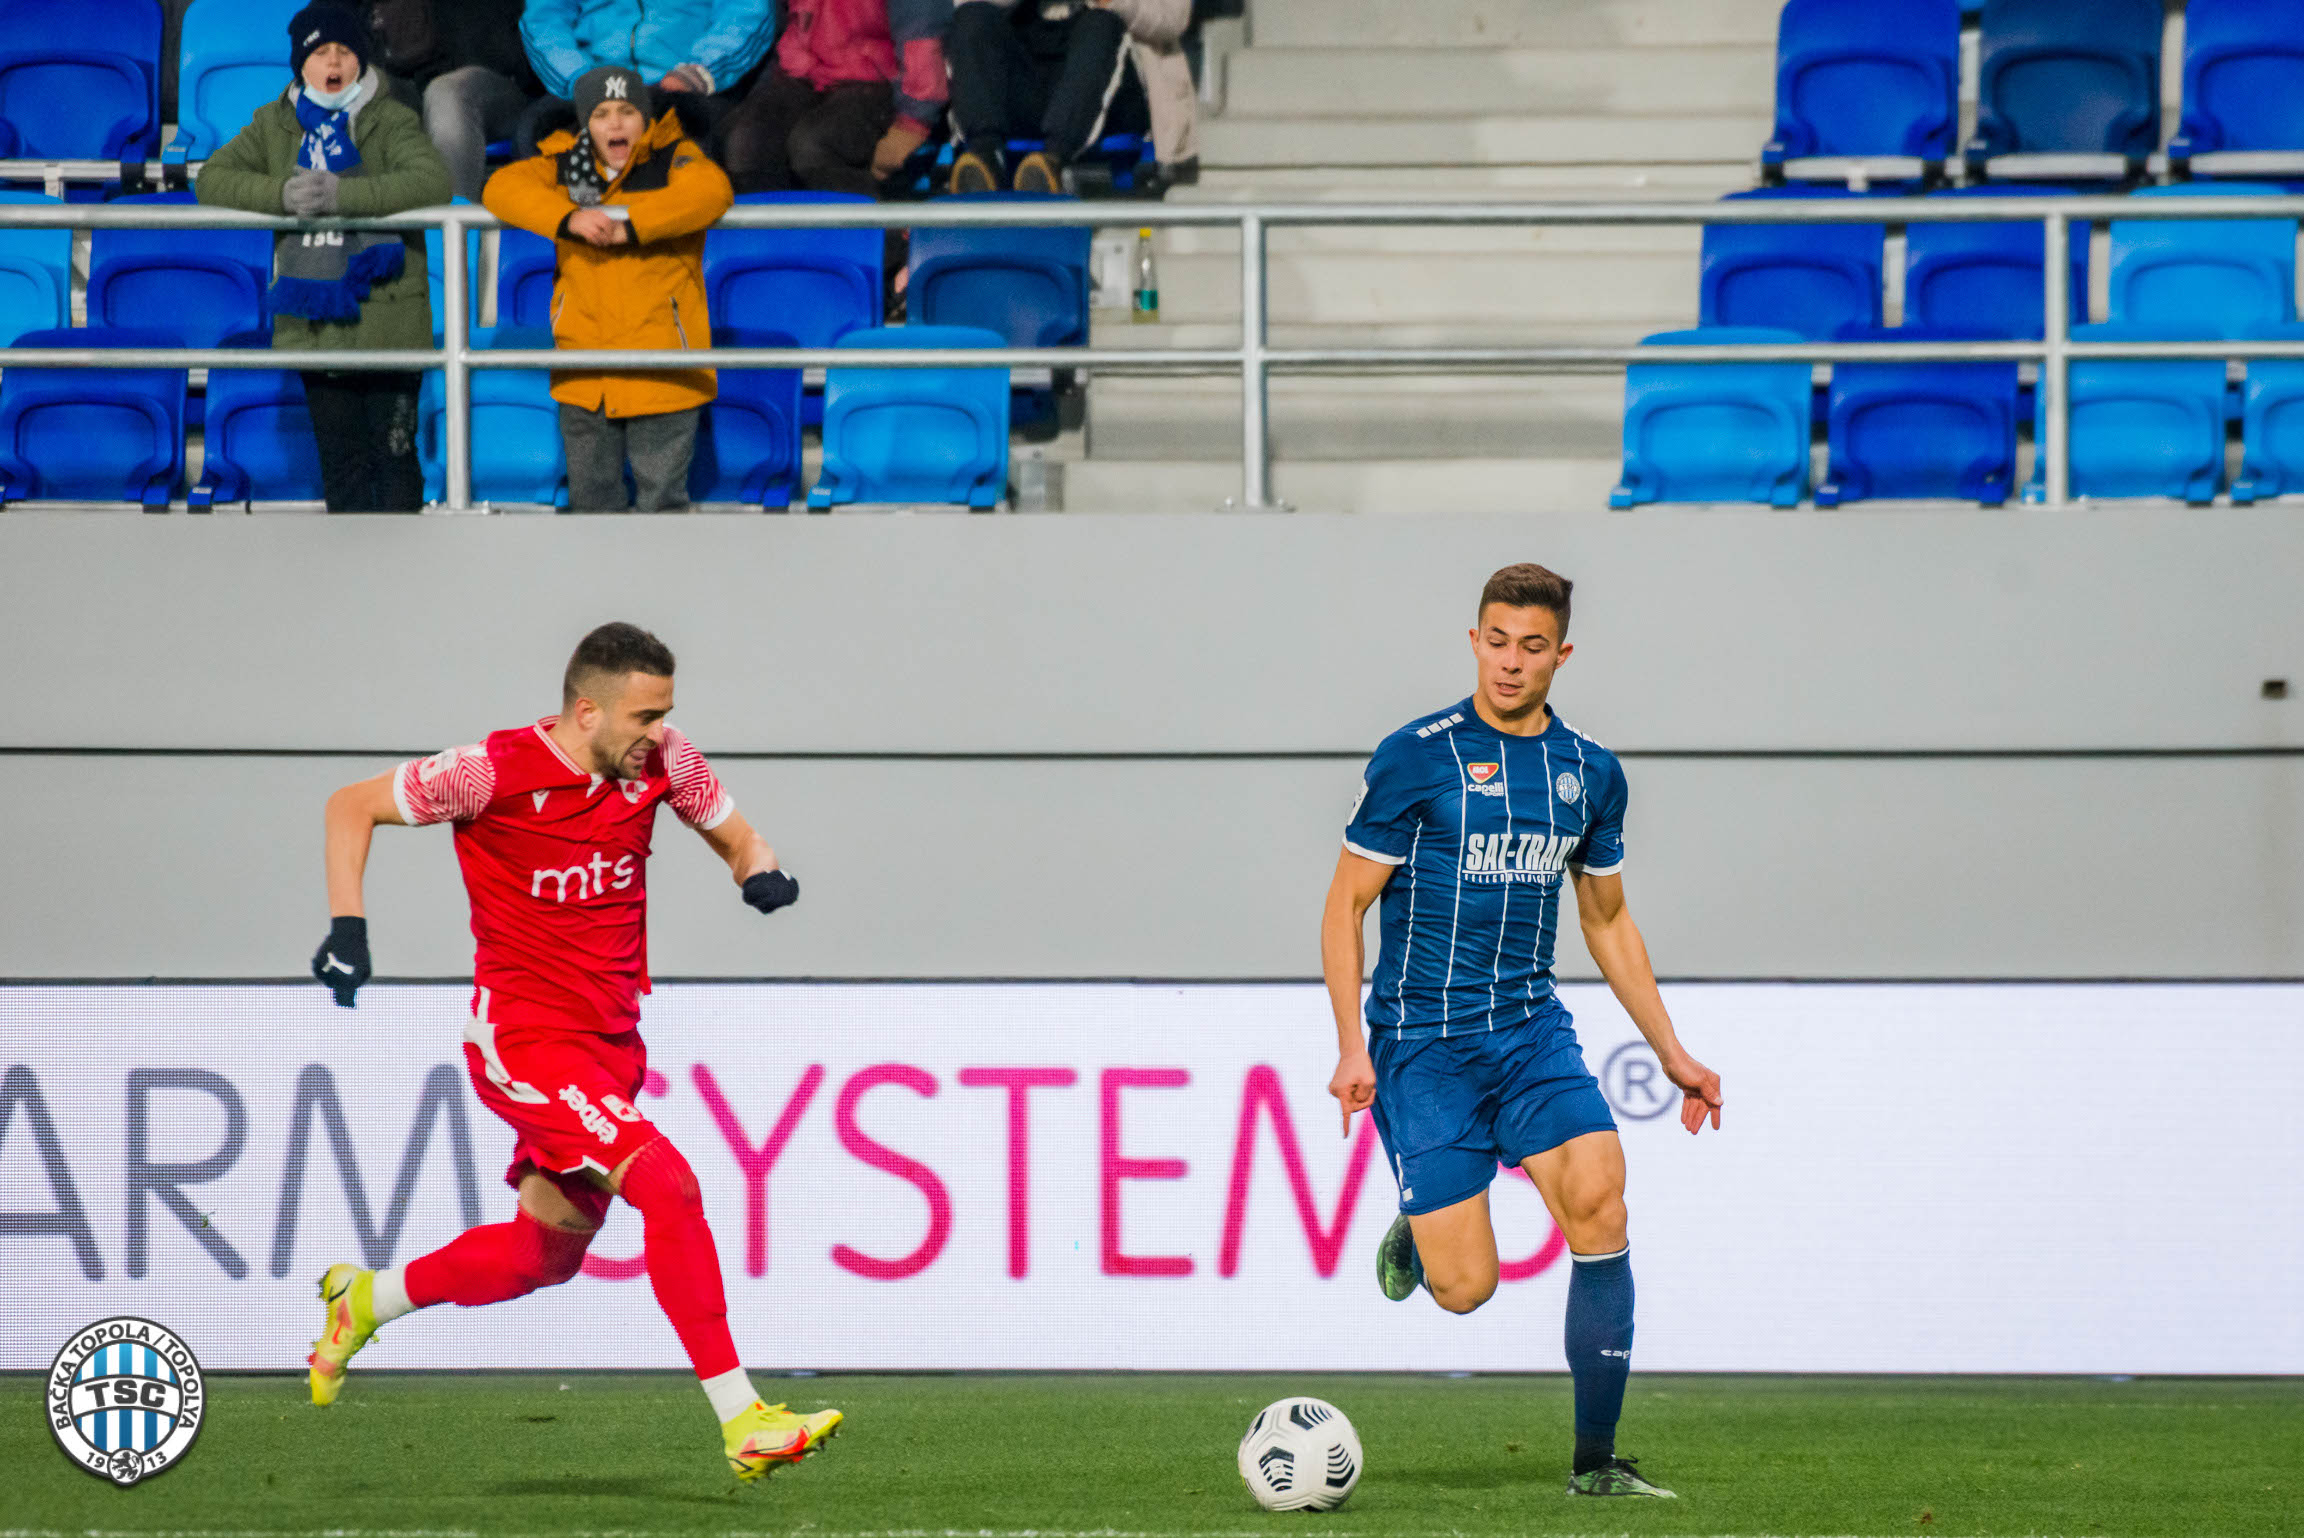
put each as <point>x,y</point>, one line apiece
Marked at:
<point>1800,637</point>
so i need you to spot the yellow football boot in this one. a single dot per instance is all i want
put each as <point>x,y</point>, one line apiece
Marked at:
<point>347,1293</point>
<point>767,1435</point>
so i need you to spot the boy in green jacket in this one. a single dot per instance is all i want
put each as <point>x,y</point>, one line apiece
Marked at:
<point>335,143</point>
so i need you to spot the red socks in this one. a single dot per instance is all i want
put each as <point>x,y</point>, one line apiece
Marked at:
<point>683,1262</point>
<point>500,1261</point>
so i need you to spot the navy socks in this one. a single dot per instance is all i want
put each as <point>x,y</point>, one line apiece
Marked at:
<point>1599,1350</point>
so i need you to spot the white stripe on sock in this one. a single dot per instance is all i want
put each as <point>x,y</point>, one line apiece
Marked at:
<point>1611,1255</point>
<point>731,1393</point>
<point>388,1294</point>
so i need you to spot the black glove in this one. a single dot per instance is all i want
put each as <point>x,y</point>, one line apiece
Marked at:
<point>342,960</point>
<point>770,890</point>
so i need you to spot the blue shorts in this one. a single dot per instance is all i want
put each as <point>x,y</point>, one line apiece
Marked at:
<point>1450,1108</point>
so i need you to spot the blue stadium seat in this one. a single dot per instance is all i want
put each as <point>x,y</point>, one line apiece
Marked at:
<point>1920,430</point>
<point>92,435</point>
<point>436,278</point>
<point>2272,423</point>
<point>204,285</point>
<point>517,455</point>
<point>2243,79</point>
<point>525,267</point>
<point>1029,284</point>
<point>2150,428</point>
<point>1880,78</point>
<point>748,443</point>
<point>257,443</point>
<point>1715,432</point>
<point>1807,278</point>
<point>2204,277</point>
<point>79,79</point>
<point>35,275</point>
<point>1985,279</point>
<point>915,435</point>
<point>816,285</point>
<point>2066,77</point>
<point>235,59</point>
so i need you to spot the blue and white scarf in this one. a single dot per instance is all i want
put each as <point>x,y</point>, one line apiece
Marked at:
<point>325,275</point>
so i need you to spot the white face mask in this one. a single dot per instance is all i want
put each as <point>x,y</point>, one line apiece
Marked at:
<point>332,101</point>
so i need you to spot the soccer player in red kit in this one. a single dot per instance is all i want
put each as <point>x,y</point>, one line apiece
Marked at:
<point>553,823</point>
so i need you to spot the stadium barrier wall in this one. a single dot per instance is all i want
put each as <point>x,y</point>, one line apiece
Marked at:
<point>1893,745</point>
<point>1910,1179</point>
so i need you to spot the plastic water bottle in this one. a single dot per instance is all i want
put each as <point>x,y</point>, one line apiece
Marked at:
<point>1147,309</point>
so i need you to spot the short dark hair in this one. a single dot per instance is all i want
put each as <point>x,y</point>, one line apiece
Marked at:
<point>1530,586</point>
<point>614,649</point>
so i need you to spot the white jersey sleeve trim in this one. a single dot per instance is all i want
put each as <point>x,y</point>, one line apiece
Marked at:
<point>1596,870</point>
<point>1370,854</point>
<point>718,815</point>
<point>400,794</point>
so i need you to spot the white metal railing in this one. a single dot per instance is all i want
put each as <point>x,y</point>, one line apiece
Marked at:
<point>1254,358</point>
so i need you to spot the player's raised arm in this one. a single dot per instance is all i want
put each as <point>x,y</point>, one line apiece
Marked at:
<point>353,813</point>
<point>1615,943</point>
<point>703,804</point>
<point>1343,962</point>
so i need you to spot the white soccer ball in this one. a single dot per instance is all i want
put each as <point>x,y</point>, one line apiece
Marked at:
<point>1300,1455</point>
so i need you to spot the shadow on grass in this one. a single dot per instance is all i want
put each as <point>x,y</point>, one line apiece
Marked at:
<point>610,1485</point>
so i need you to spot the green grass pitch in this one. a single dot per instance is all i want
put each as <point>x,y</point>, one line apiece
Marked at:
<point>435,1455</point>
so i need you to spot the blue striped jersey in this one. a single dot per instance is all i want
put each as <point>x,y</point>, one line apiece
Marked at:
<point>1483,828</point>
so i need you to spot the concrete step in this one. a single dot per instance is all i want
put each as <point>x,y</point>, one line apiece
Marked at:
<point>1465,287</point>
<point>1511,23</point>
<point>1265,82</point>
<point>1722,139</point>
<point>1377,487</point>
<point>1697,182</point>
<point>1381,417</point>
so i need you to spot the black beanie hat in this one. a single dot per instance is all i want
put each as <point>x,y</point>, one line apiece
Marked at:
<point>325,23</point>
<point>608,82</point>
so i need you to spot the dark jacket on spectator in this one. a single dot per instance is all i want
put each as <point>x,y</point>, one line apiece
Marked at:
<point>834,42</point>
<point>461,32</point>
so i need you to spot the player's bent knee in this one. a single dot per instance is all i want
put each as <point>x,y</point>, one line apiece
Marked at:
<point>659,1177</point>
<point>562,1256</point>
<point>1461,1297</point>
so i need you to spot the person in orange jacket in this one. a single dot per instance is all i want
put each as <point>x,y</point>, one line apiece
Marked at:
<point>626,202</point>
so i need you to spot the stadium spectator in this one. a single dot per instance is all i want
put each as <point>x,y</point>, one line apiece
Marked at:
<point>1066,72</point>
<point>626,202</point>
<point>696,52</point>
<point>335,143</point>
<point>853,88</point>
<point>460,62</point>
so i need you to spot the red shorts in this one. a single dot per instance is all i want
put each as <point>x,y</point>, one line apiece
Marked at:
<point>568,1093</point>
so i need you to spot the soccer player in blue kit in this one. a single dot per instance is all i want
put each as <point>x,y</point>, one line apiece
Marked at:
<point>1469,823</point>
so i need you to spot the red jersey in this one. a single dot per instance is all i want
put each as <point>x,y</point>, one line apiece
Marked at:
<point>555,859</point>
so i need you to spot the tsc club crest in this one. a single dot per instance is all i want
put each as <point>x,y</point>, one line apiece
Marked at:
<point>1568,788</point>
<point>125,1399</point>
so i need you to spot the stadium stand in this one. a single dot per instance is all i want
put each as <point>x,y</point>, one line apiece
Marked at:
<point>202,285</point>
<point>1985,279</point>
<point>2141,429</point>
<point>1732,432</point>
<point>748,443</point>
<point>233,62</point>
<point>2271,424</point>
<point>80,79</point>
<point>257,440</point>
<point>1920,430</point>
<point>2056,78</point>
<point>517,455</point>
<point>2243,88</point>
<point>914,435</point>
<point>35,275</point>
<point>1876,80</point>
<point>1809,279</point>
<point>2206,277</point>
<point>92,435</point>
<point>816,285</point>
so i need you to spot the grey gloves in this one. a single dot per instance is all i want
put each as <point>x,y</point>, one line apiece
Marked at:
<point>309,192</point>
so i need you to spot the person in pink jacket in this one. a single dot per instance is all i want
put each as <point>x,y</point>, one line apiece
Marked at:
<point>853,87</point>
